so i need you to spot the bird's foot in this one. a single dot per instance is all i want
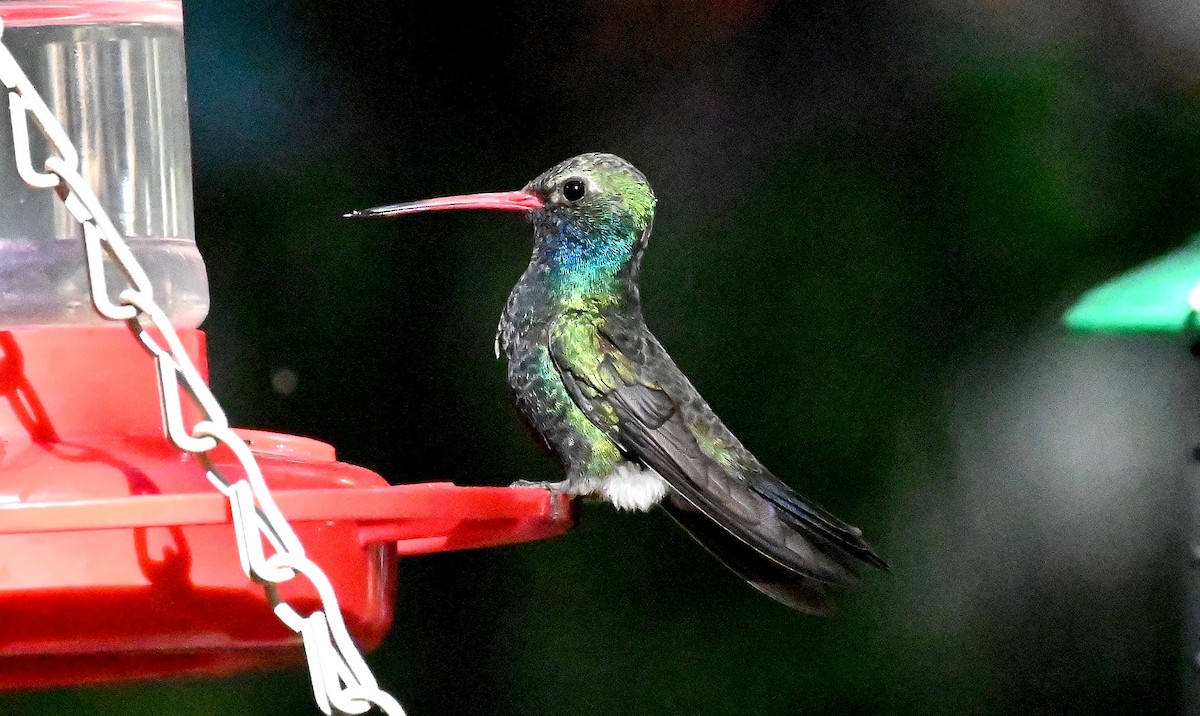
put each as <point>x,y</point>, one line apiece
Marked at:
<point>555,488</point>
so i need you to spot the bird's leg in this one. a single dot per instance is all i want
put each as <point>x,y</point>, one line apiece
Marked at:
<point>580,480</point>
<point>583,480</point>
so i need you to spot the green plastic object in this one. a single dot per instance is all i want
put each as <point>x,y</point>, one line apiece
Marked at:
<point>1151,297</point>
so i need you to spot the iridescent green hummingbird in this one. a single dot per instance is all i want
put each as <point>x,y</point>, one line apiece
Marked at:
<point>612,406</point>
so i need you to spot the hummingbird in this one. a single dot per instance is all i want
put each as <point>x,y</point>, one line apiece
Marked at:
<point>626,424</point>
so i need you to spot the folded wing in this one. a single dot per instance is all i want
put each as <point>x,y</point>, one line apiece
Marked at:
<point>783,544</point>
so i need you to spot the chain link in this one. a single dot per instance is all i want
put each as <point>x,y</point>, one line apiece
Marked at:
<point>340,677</point>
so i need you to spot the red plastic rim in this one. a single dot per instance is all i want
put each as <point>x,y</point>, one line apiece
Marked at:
<point>429,517</point>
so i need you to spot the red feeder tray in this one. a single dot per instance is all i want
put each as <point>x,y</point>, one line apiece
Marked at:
<point>117,556</point>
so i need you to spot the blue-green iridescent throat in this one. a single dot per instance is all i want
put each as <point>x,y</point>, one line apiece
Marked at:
<point>581,263</point>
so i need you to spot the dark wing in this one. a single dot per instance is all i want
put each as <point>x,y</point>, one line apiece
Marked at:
<point>785,545</point>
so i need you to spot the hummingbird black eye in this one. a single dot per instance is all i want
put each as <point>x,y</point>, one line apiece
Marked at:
<point>573,189</point>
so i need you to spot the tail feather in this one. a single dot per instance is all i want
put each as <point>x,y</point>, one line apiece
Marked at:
<point>780,542</point>
<point>794,589</point>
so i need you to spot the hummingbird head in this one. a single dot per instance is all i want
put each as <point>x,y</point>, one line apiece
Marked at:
<point>592,215</point>
<point>600,196</point>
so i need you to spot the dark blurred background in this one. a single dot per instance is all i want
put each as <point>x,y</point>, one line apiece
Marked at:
<point>871,216</point>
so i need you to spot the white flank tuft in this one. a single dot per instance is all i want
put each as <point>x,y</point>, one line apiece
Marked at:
<point>633,487</point>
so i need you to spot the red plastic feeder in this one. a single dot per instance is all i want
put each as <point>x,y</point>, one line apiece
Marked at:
<point>117,556</point>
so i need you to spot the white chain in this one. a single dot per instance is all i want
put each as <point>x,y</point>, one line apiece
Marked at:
<point>340,677</point>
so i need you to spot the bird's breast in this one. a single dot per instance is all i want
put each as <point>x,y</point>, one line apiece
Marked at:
<point>538,389</point>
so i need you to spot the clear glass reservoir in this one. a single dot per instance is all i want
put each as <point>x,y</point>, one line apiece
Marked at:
<point>112,72</point>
